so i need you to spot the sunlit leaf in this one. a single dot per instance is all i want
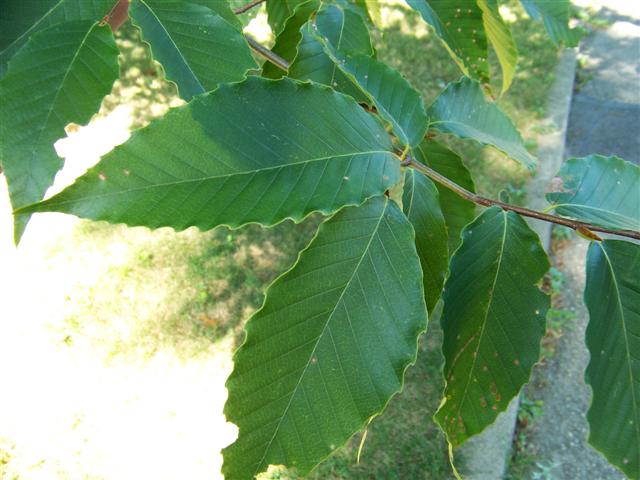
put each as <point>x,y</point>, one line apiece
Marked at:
<point>500,37</point>
<point>330,345</point>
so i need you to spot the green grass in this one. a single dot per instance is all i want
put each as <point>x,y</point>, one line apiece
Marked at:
<point>189,291</point>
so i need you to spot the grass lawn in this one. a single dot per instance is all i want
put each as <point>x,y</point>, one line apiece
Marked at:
<point>127,297</point>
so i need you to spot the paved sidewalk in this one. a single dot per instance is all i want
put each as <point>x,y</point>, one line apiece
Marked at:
<point>605,119</point>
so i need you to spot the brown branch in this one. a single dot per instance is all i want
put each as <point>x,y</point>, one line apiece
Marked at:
<point>118,15</point>
<point>586,229</point>
<point>248,6</point>
<point>274,58</point>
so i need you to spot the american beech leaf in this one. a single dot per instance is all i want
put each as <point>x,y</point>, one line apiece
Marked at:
<point>71,66</point>
<point>258,151</point>
<point>601,190</point>
<point>459,25</point>
<point>612,295</point>
<point>462,110</point>
<point>20,19</point>
<point>289,37</point>
<point>197,47</point>
<point>457,211</point>
<point>395,99</point>
<point>501,39</point>
<point>555,16</point>
<point>421,205</point>
<point>279,11</point>
<point>329,347</point>
<point>493,321</point>
<point>348,32</point>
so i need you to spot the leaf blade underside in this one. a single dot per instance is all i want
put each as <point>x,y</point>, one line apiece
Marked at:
<point>612,295</point>
<point>197,47</point>
<point>493,321</point>
<point>259,151</point>
<point>72,66</point>
<point>601,190</point>
<point>330,345</point>
<point>462,110</point>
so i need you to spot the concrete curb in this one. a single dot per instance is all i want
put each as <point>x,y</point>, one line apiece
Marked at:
<point>486,456</point>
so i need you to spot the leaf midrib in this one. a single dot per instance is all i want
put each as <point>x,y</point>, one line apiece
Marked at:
<point>213,177</point>
<point>322,333</point>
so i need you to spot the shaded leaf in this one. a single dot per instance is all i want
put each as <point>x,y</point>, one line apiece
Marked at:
<point>330,345</point>
<point>457,211</point>
<point>279,11</point>
<point>196,46</point>
<point>463,110</point>
<point>395,99</point>
<point>421,205</point>
<point>21,19</point>
<point>257,151</point>
<point>493,321</point>
<point>601,190</point>
<point>348,32</point>
<point>612,295</point>
<point>288,39</point>
<point>555,16</point>
<point>500,37</point>
<point>71,66</point>
<point>459,25</point>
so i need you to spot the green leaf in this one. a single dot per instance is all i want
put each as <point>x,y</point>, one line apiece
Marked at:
<point>279,11</point>
<point>373,7</point>
<point>396,100</point>
<point>463,110</point>
<point>420,203</point>
<point>71,66</point>
<point>457,211</point>
<point>330,345</point>
<point>612,295</point>
<point>21,19</point>
<point>601,190</point>
<point>288,39</point>
<point>257,151</point>
<point>501,40</point>
<point>493,321</point>
<point>343,28</point>
<point>555,16</point>
<point>196,46</point>
<point>459,25</point>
